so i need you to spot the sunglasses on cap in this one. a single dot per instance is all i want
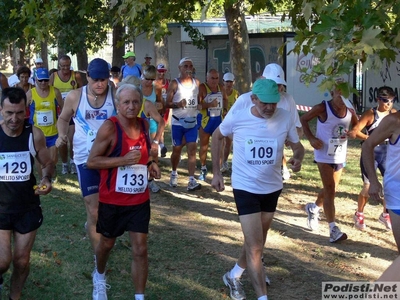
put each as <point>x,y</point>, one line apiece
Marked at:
<point>43,80</point>
<point>384,100</point>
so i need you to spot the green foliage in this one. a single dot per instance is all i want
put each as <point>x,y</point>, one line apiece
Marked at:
<point>341,32</point>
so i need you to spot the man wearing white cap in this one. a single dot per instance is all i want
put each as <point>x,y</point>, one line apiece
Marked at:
<point>275,72</point>
<point>182,97</point>
<point>38,65</point>
<point>232,94</point>
<point>259,136</point>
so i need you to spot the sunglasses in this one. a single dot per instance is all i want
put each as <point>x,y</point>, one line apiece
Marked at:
<point>43,80</point>
<point>150,79</point>
<point>386,100</point>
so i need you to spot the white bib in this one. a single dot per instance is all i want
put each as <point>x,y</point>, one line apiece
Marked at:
<point>44,117</point>
<point>131,179</point>
<point>15,166</point>
<point>215,111</point>
<point>337,147</point>
<point>260,152</point>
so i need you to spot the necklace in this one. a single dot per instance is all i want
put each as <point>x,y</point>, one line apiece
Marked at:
<point>94,95</point>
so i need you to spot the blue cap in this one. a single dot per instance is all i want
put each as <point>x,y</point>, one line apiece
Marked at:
<point>42,73</point>
<point>98,69</point>
<point>266,90</point>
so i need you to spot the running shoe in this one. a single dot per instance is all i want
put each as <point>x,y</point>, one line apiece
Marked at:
<point>313,216</point>
<point>164,151</point>
<point>100,288</point>
<point>203,173</point>
<point>235,287</point>
<point>359,221</point>
<point>285,174</point>
<point>193,185</point>
<point>385,220</point>
<point>173,180</point>
<point>73,168</point>
<point>336,235</point>
<point>64,169</point>
<point>153,186</point>
<point>225,167</point>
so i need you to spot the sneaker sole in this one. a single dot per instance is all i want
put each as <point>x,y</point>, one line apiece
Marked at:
<point>195,188</point>
<point>342,238</point>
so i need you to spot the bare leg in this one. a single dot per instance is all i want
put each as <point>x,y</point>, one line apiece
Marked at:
<point>92,206</point>
<point>140,266</point>
<point>23,244</point>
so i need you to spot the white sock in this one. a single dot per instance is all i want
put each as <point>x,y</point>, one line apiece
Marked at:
<point>236,271</point>
<point>139,296</point>
<point>174,172</point>
<point>331,225</point>
<point>265,297</point>
<point>100,276</point>
<point>314,207</point>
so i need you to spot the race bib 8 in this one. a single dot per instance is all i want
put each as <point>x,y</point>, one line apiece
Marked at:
<point>44,118</point>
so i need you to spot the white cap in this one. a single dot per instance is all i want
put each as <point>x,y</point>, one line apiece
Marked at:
<point>275,73</point>
<point>184,59</point>
<point>38,60</point>
<point>229,77</point>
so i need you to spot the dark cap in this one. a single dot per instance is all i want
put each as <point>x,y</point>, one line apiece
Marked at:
<point>98,69</point>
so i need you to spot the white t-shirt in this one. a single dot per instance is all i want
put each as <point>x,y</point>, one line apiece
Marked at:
<point>258,147</point>
<point>286,102</point>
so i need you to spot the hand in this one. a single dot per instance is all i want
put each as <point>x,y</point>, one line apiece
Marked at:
<point>132,157</point>
<point>376,192</point>
<point>217,182</point>
<point>183,103</point>
<point>295,164</point>
<point>154,171</point>
<point>316,143</point>
<point>44,187</point>
<point>214,103</point>
<point>61,140</point>
<point>352,134</point>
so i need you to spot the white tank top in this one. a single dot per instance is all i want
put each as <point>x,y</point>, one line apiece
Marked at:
<point>391,179</point>
<point>332,133</point>
<point>190,94</point>
<point>87,121</point>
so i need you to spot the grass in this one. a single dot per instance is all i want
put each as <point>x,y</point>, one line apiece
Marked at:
<point>195,238</point>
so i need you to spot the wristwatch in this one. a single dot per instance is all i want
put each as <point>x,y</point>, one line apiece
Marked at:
<point>155,142</point>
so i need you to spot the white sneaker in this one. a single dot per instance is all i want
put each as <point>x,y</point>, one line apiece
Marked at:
<point>73,168</point>
<point>285,174</point>
<point>153,186</point>
<point>173,180</point>
<point>193,185</point>
<point>100,288</point>
<point>225,167</point>
<point>385,220</point>
<point>336,235</point>
<point>313,216</point>
<point>64,169</point>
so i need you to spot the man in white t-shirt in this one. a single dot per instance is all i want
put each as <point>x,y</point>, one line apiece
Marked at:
<point>275,72</point>
<point>259,133</point>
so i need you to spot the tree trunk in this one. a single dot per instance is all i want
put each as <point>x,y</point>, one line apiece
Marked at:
<point>82,60</point>
<point>118,46</point>
<point>239,45</point>
<point>161,52</point>
<point>44,54</point>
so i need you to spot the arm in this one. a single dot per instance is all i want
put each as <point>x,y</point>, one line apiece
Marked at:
<point>59,99</point>
<point>315,112</point>
<point>172,88</point>
<point>224,100</point>
<point>44,158</point>
<point>3,81</point>
<point>29,98</point>
<point>51,79</point>
<point>298,154</point>
<point>385,130</point>
<point>150,110</point>
<point>98,157</point>
<point>79,80</point>
<point>69,108</point>
<point>354,122</point>
<point>216,148</point>
<point>365,120</point>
